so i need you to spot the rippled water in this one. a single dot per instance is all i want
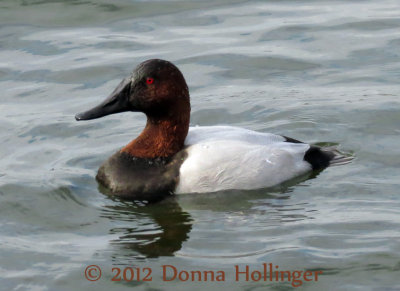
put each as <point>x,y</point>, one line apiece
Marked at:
<point>318,71</point>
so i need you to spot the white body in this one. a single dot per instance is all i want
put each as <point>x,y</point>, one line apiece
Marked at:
<point>226,157</point>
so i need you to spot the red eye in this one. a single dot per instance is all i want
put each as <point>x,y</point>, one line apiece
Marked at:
<point>149,81</point>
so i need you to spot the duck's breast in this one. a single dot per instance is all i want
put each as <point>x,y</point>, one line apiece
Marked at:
<point>224,157</point>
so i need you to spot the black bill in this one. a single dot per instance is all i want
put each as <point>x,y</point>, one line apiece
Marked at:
<point>117,102</point>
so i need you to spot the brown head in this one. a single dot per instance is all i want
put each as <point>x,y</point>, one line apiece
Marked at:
<point>158,89</point>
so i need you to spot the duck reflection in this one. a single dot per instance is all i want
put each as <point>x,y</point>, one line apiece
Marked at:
<point>160,229</point>
<point>152,230</point>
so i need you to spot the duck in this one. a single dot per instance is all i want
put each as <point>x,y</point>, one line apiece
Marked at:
<point>170,157</point>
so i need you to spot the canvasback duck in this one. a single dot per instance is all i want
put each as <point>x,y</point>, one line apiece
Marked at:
<point>170,157</point>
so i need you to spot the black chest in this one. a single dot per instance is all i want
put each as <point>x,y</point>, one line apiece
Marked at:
<point>140,179</point>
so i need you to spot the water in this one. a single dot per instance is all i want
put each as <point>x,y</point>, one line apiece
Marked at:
<point>318,71</point>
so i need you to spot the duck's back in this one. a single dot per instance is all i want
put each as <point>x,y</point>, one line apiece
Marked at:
<point>224,157</point>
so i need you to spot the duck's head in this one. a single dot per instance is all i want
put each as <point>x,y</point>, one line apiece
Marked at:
<point>156,88</point>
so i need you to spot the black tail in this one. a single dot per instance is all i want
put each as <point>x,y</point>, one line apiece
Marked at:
<point>320,158</point>
<point>317,158</point>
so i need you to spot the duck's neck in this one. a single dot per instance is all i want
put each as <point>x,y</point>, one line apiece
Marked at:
<point>162,137</point>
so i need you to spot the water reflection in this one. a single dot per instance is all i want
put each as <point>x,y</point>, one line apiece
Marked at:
<point>160,229</point>
<point>248,223</point>
<point>153,230</point>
